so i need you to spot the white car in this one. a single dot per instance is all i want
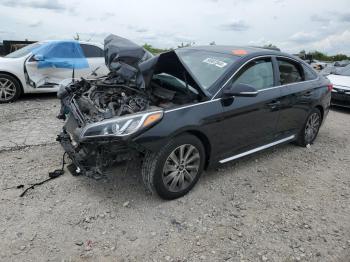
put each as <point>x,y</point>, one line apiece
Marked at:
<point>341,87</point>
<point>40,67</point>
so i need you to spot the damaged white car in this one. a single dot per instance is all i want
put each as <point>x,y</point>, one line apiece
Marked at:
<point>40,67</point>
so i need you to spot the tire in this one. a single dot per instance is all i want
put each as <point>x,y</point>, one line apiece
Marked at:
<point>305,138</point>
<point>169,180</point>
<point>10,89</point>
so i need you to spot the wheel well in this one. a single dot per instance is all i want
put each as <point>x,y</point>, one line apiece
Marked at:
<point>15,77</point>
<point>205,141</point>
<point>321,110</point>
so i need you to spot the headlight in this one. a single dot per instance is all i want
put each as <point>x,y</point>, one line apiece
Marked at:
<point>122,126</point>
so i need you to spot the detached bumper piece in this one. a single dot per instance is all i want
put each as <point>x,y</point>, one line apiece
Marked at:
<point>93,158</point>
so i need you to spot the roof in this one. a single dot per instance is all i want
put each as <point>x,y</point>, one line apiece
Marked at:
<point>69,40</point>
<point>234,50</point>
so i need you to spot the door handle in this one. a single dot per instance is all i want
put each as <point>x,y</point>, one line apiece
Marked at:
<point>274,104</point>
<point>308,93</point>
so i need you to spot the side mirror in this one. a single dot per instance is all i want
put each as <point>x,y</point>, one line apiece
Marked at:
<point>38,57</point>
<point>241,90</point>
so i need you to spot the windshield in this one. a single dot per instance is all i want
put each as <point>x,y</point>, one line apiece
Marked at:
<point>205,66</point>
<point>23,51</point>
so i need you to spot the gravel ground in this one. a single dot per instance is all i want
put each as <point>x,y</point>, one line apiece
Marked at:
<point>284,204</point>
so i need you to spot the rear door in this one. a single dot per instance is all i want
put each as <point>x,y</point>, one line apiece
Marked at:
<point>298,91</point>
<point>95,57</point>
<point>251,121</point>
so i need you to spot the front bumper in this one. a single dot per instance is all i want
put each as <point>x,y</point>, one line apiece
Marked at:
<point>341,97</point>
<point>92,158</point>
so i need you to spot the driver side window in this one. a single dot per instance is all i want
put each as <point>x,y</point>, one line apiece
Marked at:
<point>257,73</point>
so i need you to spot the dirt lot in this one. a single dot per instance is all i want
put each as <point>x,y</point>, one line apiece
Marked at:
<point>284,204</point>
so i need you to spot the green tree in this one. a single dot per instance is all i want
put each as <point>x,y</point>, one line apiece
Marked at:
<point>324,57</point>
<point>154,50</point>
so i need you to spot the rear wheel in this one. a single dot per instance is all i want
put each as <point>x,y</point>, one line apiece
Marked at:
<point>310,129</point>
<point>175,169</point>
<point>10,89</point>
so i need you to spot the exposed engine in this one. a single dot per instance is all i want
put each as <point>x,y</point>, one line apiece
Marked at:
<point>98,100</point>
<point>102,99</point>
<point>138,81</point>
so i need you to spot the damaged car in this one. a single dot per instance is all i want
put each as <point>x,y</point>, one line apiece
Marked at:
<point>188,109</point>
<point>40,67</point>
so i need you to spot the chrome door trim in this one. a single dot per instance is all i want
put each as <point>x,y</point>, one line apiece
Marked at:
<point>256,149</point>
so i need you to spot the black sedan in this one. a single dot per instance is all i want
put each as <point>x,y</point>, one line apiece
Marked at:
<point>188,110</point>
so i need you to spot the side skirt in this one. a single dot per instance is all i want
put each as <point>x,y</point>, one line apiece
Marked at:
<point>256,149</point>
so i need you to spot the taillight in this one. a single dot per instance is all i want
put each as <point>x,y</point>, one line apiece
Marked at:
<point>330,87</point>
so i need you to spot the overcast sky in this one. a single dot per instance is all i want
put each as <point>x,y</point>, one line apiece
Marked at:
<point>292,25</point>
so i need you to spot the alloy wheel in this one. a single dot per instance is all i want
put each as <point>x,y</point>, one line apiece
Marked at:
<point>181,168</point>
<point>7,89</point>
<point>312,126</point>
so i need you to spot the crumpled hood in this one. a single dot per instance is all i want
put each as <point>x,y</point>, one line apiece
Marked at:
<point>130,60</point>
<point>120,50</point>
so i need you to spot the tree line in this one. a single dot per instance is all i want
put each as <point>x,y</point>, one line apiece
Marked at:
<point>314,54</point>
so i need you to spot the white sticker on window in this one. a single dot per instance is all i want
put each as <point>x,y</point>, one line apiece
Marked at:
<point>213,61</point>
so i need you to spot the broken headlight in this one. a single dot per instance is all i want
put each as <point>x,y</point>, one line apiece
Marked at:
<point>122,126</point>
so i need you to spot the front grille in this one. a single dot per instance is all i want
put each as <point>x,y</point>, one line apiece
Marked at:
<point>341,96</point>
<point>340,99</point>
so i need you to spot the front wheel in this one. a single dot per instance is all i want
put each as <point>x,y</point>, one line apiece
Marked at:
<point>175,169</point>
<point>310,129</point>
<point>10,89</point>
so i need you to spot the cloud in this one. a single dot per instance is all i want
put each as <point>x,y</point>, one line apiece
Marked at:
<point>304,37</point>
<point>338,42</point>
<point>238,25</point>
<point>107,15</point>
<point>345,17</point>
<point>259,42</point>
<point>320,19</point>
<point>137,29</point>
<point>35,24</point>
<point>141,30</point>
<point>53,5</point>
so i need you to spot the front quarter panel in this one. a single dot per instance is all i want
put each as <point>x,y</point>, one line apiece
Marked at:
<point>202,117</point>
<point>14,66</point>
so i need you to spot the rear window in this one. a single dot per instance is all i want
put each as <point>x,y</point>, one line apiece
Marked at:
<point>290,72</point>
<point>309,73</point>
<point>206,66</point>
<point>92,51</point>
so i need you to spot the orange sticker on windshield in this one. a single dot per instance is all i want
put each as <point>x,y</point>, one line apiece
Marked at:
<point>239,52</point>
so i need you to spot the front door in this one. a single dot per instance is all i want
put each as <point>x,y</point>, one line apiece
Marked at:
<point>54,62</point>
<point>249,122</point>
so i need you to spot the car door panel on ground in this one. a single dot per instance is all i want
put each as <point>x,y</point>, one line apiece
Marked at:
<point>296,99</point>
<point>251,121</point>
